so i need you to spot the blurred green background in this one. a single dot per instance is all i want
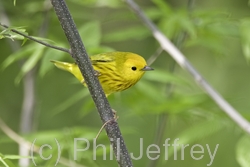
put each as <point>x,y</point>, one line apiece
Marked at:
<point>166,103</point>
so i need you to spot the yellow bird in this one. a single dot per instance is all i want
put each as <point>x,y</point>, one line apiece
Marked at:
<point>116,71</point>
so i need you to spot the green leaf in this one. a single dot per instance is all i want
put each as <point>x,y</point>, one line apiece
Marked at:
<point>31,61</point>
<point>44,40</point>
<point>135,32</point>
<point>85,3</point>
<point>91,34</point>
<point>153,13</point>
<point>108,3</point>
<point>15,157</point>
<point>195,133</point>
<point>187,24</point>
<point>164,77</point>
<point>7,33</point>
<point>176,22</point>
<point>33,7</point>
<point>99,3</point>
<point>242,151</point>
<point>6,162</point>
<point>70,101</point>
<point>99,49</point>
<point>86,108</point>
<point>23,53</point>
<point>208,41</point>
<point>46,65</point>
<point>245,37</point>
<point>163,6</point>
<point>180,103</point>
<point>152,91</point>
<point>24,41</point>
<point>160,102</point>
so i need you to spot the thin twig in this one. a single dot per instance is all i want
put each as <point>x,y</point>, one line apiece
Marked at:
<point>153,57</point>
<point>27,113</point>
<point>103,126</point>
<point>15,137</point>
<point>21,141</point>
<point>36,40</point>
<point>185,64</point>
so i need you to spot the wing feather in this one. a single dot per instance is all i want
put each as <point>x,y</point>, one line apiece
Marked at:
<point>102,58</point>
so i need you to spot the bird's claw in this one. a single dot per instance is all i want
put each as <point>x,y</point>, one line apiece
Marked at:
<point>97,73</point>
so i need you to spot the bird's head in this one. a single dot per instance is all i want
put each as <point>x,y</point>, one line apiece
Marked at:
<point>134,67</point>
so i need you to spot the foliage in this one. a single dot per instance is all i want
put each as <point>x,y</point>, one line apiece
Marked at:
<point>215,40</point>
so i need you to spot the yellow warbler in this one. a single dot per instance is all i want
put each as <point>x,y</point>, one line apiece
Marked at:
<point>116,71</point>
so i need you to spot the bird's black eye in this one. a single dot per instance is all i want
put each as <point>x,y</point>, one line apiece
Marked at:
<point>133,68</point>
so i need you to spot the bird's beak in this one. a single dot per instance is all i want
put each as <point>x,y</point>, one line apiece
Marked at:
<point>147,68</point>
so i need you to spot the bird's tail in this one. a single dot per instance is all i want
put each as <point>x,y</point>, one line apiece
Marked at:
<point>70,67</point>
<point>63,65</point>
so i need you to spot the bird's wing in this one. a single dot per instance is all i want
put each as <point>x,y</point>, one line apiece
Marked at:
<point>101,58</point>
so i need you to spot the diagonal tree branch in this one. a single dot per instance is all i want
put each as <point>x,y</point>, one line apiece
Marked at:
<point>80,55</point>
<point>186,65</point>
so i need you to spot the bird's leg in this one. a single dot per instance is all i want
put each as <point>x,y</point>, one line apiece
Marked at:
<point>114,119</point>
<point>115,115</point>
<point>97,73</point>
